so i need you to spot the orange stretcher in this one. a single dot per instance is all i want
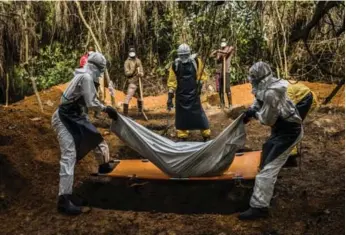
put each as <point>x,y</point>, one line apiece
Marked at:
<point>245,166</point>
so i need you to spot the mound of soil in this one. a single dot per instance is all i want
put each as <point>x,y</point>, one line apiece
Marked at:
<point>309,200</point>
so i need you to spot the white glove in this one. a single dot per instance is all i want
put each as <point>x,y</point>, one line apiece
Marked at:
<point>111,91</point>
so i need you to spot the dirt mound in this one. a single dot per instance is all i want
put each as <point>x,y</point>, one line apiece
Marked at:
<point>304,202</point>
<point>241,95</point>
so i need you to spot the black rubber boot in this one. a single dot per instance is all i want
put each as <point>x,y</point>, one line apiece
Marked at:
<point>253,213</point>
<point>205,139</point>
<point>126,109</point>
<point>106,168</point>
<point>66,206</point>
<point>140,106</point>
<point>229,98</point>
<point>291,161</point>
<point>222,101</point>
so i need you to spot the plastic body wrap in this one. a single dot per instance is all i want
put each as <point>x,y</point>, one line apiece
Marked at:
<point>183,159</point>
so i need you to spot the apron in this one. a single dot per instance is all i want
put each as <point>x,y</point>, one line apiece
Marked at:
<point>304,106</point>
<point>189,114</point>
<point>85,135</point>
<point>283,135</point>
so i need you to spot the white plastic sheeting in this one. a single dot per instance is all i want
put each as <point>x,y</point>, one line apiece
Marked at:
<point>183,159</point>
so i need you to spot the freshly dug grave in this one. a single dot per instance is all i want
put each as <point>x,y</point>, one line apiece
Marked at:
<point>306,201</point>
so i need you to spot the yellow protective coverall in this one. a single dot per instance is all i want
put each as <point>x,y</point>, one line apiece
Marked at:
<point>172,85</point>
<point>297,92</point>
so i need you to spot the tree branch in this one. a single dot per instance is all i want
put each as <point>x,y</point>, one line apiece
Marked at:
<point>321,9</point>
<point>334,91</point>
<point>324,69</point>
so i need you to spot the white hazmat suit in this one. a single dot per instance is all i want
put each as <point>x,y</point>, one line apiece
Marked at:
<point>273,108</point>
<point>76,135</point>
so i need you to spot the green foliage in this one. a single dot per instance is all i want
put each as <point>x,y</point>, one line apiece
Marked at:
<point>54,65</point>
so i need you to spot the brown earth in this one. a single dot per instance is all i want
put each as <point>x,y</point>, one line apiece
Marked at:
<point>309,200</point>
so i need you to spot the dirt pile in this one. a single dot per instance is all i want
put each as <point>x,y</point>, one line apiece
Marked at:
<point>241,94</point>
<point>310,201</point>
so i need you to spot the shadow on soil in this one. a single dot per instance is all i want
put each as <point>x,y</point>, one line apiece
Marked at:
<point>11,183</point>
<point>183,197</point>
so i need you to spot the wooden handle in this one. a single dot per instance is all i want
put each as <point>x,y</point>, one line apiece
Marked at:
<point>224,80</point>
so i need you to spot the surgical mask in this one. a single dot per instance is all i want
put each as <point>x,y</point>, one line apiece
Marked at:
<point>223,44</point>
<point>132,54</point>
<point>184,58</point>
<point>97,74</point>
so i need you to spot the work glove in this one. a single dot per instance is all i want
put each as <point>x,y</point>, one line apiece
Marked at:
<point>112,113</point>
<point>248,114</point>
<point>199,87</point>
<point>170,101</point>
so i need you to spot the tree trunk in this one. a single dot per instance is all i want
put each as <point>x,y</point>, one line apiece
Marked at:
<point>285,41</point>
<point>98,47</point>
<point>27,57</point>
<point>7,88</point>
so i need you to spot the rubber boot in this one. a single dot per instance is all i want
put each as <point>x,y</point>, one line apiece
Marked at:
<point>222,101</point>
<point>205,139</point>
<point>106,168</point>
<point>229,98</point>
<point>291,161</point>
<point>140,105</point>
<point>253,213</point>
<point>126,109</point>
<point>66,206</point>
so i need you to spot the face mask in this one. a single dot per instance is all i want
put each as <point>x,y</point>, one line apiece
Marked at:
<point>223,44</point>
<point>132,54</point>
<point>97,74</point>
<point>184,58</point>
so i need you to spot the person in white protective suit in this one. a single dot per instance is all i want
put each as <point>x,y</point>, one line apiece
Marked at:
<point>76,135</point>
<point>273,108</point>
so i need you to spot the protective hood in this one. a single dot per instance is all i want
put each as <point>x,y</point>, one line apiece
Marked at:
<point>90,69</point>
<point>189,58</point>
<point>272,83</point>
<point>184,53</point>
<point>261,78</point>
<point>95,66</point>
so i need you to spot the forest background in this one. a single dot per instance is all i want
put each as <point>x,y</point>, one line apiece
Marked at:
<point>41,42</point>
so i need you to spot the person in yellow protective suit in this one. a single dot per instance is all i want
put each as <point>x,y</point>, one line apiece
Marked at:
<point>186,79</point>
<point>305,101</point>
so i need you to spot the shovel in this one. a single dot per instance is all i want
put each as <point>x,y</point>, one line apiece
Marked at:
<point>141,94</point>
<point>225,98</point>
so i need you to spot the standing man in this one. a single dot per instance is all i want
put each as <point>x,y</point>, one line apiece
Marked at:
<point>186,79</point>
<point>272,108</point>
<point>133,70</point>
<point>223,57</point>
<point>76,135</point>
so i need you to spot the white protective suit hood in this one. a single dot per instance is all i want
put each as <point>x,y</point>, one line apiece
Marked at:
<point>261,78</point>
<point>95,66</point>
<point>184,53</point>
